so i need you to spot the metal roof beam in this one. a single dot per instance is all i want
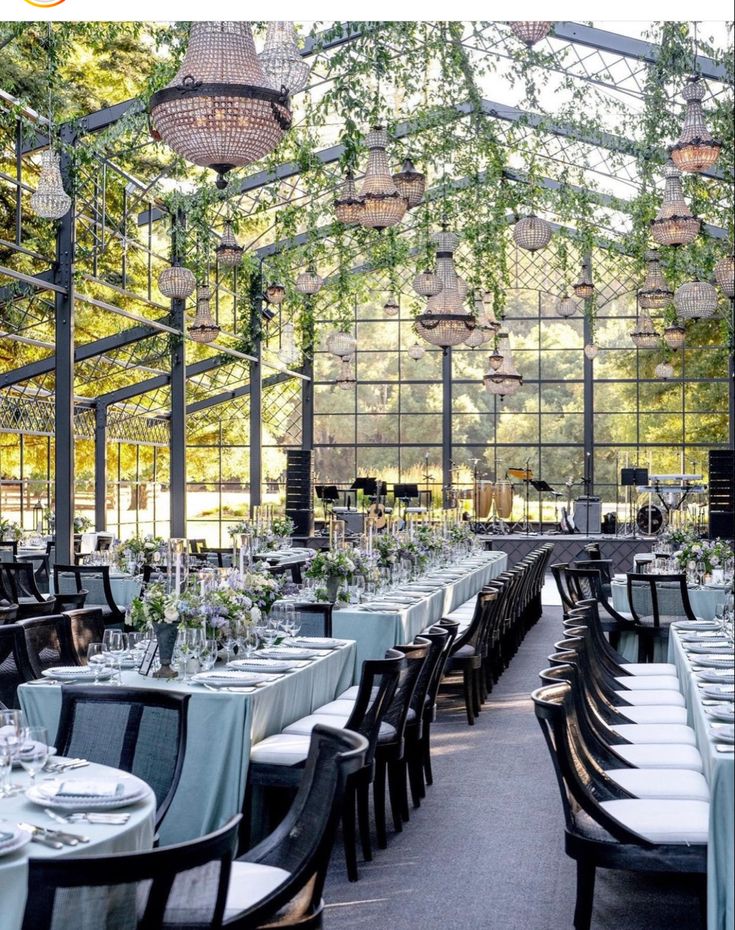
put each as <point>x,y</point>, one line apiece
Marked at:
<point>241,391</point>
<point>26,289</point>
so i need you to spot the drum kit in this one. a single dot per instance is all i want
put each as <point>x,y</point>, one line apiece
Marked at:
<point>493,502</point>
<point>679,496</point>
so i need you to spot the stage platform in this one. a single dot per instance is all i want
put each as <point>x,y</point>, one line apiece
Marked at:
<point>570,546</point>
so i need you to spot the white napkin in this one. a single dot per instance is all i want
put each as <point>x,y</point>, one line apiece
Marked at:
<point>89,788</point>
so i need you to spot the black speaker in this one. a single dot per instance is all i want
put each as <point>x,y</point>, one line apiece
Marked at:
<point>721,493</point>
<point>633,477</point>
<point>299,494</point>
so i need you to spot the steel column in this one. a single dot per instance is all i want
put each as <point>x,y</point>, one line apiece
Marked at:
<point>446,425</point>
<point>589,399</point>
<point>100,467</point>
<point>731,376</point>
<point>64,393</point>
<point>177,440</point>
<point>307,386</point>
<point>256,394</point>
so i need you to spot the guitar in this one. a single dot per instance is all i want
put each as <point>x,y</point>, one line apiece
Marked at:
<point>566,522</point>
<point>377,516</point>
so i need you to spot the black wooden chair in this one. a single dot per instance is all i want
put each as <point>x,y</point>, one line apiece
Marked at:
<point>8,612</point>
<point>315,618</point>
<point>604,567</point>
<point>606,829</point>
<point>138,731</point>
<point>15,668</point>
<point>40,563</point>
<point>92,584</point>
<point>217,555</point>
<point>18,585</point>
<point>8,550</point>
<point>179,887</point>
<point>85,627</point>
<point>295,857</point>
<point>47,642</point>
<point>587,583</point>
<point>657,601</point>
<point>467,656</point>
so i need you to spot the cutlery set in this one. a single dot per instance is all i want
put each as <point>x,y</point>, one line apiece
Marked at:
<point>95,817</point>
<point>54,839</point>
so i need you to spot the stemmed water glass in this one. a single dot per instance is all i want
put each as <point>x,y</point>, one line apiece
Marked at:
<point>207,653</point>
<point>34,750</point>
<point>97,654</point>
<point>11,737</point>
<point>116,642</point>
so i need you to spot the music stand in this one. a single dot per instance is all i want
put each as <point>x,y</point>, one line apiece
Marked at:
<point>326,493</point>
<point>542,487</point>
<point>405,493</point>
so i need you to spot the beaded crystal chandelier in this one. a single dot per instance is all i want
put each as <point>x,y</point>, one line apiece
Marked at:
<point>532,233</point>
<point>530,31</point>
<point>391,307</point>
<point>486,326</point>
<point>664,371</point>
<point>567,306</point>
<point>695,300</point>
<point>416,352</point>
<point>655,292</point>
<point>675,336</point>
<point>176,282</point>
<point>383,204</point>
<point>220,111</point>
<point>644,336</point>
<point>411,184</point>
<point>281,60</point>
<point>591,350</point>
<point>340,344</point>
<point>346,379</point>
<point>275,293</point>
<point>229,252</point>
<point>288,353</point>
<point>504,380</point>
<point>50,200</point>
<point>348,205</point>
<point>308,282</point>
<point>696,149</point>
<point>204,328</point>
<point>725,275</point>
<point>675,224</point>
<point>427,284</point>
<point>584,287</point>
<point>445,322</point>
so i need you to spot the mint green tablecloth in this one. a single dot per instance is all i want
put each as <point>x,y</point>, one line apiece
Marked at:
<point>135,835</point>
<point>221,728</point>
<point>374,631</point>
<point>719,770</point>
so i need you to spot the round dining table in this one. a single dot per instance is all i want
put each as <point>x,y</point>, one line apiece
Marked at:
<point>135,835</point>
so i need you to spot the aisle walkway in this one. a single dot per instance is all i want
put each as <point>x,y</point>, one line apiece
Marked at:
<point>485,850</point>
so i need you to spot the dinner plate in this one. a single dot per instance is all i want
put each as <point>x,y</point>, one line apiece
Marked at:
<point>704,637</point>
<point>721,647</point>
<point>715,662</point>
<point>227,678</point>
<point>723,731</point>
<point>76,673</point>
<point>44,795</point>
<point>284,652</point>
<point>253,664</point>
<point>724,675</point>
<point>316,642</point>
<point>19,839</point>
<point>691,625</point>
<point>722,712</point>
<point>719,692</point>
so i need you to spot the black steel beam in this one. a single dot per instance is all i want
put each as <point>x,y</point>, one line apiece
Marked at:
<point>100,467</point>
<point>256,398</point>
<point>446,425</point>
<point>12,292</point>
<point>177,429</point>
<point>307,387</point>
<point>233,394</point>
<point>92,122</point>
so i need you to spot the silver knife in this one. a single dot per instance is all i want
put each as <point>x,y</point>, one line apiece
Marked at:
<point>37,836</point>
<point>68,839</point>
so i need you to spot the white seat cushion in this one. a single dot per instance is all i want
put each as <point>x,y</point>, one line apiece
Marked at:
<point>649,682</point>
<point>671,785</point>
<point>656,733</point>
<point>350,694</point>
<point>660,756</point>
<point>337,708</point>
<point>650,668</point>
<point>281,749</point>
<point>663,821</point>
<point>656,713</point>
<point>670,697</point>
<point>250,883</point>
<point>305,725</point>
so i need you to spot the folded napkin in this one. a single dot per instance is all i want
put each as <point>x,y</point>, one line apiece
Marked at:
<point>88,788</point>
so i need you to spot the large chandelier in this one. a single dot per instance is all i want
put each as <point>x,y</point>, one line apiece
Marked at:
<point>229,252</point>
<point>664,371</point>
<point>416,352</point>
<point>281,60</point>
<point>486,325</point>
<point>204,328</point>
<point>584,288</point>
<point>655,292</point>
<point>50,200</point>
<point>427,283</point>
<point>644,336</point>
<point>504,380</point>
<point>340,344</point>
<point>383,203</point>
<point>445,322</point>
<point>695,300</point>
<point>288,353</point>
<point>176,282</point>
<point>391,307</point>
<point>348,206</point>
<point>220,111</point>
<point>532,233</point>
<point>345,379</point>
<point>696,149</point>
<point>675,336</point>
<point>725,275</point>
<point>675,224</point>
<point>275,293</point>
<point>530,31</point>
<point>308,282</point>
<point>567,306</point>
<point>411,184</point>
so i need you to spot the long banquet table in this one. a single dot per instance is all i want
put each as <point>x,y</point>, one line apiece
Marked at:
<point>134,836</point>
<point>378,630</point>
<point>719,771</point>
<point>222,726</point>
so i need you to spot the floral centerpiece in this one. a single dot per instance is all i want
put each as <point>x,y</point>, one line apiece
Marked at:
<point>282,528</point>
<point>82,524</point>
<point>10,531</point>
<point>709,553</point>
<point>262,536</point>
<point>428,539</point>
<point>228,599</point>
<point>140,550</point>
<point>411,551</point>
<point>460,533</point>
<point>676,538</point>
<point>385,546</point>
<point>158,610</point>
<point>333,567</point>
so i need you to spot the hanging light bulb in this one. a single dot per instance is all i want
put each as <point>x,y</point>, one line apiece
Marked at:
<point>348,206</point>
<point>696,149</point>
<point>204,328</point>
<point>695,300</point>
<point>530,31</point>
<point>427,284</point>
<point>591,350</point>
<point>391,307</point>
<point>644,336</point>
<point>340,344</point>
<point>584,288</point>
<point>220,111</point>
<point>567,306</point>
<point>176,282</point>
<point>275,293</point>
<point>675,224</point>
<point>725,275</point>
<point>532,233</point>
<point>383,204</point>
<point>229,252</point>
<point>309,282</point>
<point>445,322</point>
<point>288,353</point>
<point>675,336</point>
<point>416,352</point>
<point>655,292</point>
<point>346,377</point>
<point>504,380</point>
<point>411,184</point>
<point>664,370</point>
<point>50,200</point>
<point>282,62</point>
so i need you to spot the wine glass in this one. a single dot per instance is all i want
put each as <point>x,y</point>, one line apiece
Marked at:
<point>34,750</point>
<point>270,631</point>
<point>116,642</point>
<point>97,656</point>
<point>6,764</point>
<point>11,735</point>
<point>208,654</point>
